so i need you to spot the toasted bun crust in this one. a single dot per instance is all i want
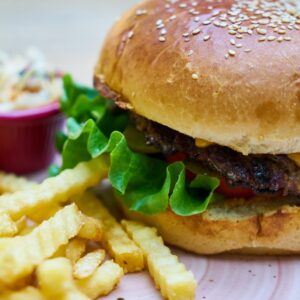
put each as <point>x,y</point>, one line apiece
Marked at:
<point>259,226</point>
<point>233,82</point>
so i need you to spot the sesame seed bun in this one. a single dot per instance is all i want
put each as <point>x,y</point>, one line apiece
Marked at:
<point>220,71</point>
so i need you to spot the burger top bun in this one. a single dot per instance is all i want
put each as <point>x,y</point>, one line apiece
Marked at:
<point>227,72</point>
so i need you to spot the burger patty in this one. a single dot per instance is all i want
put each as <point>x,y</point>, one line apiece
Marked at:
<point>264,174</point>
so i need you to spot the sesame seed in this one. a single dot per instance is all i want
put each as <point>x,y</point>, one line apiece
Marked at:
<point>247,50</point>
<point>196,31</point>
<point>159,22</point>
<point>239,45</point>
<point>206,38</point>
<point>287,38</point>
<point>223,17</point>
<point>232,41</point>
<point>266,14</point>
<point>185,34</point>
<point>261,31</point>
<point>190,53</point>
<point>182,5</point>
<point>263,21</point>
<point>215,13</point>
<point>162,39</point>
<point>197,19</point>
<point>206,22</point>
<point>141,12</point>
<point>281,31</point>
<point>223,24</point>
<point>280,39</point>
<point>285,20</point>
<point>231,52</point>
<point>262,39</point>
<point>271,38</point>
<point>163,31</point>
<point>130,34</point>
<point>226,56</point>
<point>195,76</point>
<point>232,32</point>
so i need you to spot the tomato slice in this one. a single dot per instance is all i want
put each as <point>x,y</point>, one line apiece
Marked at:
<point>181,156</point>
<point>178,156</point>
<point>223,189</point>
<point>229,191</point>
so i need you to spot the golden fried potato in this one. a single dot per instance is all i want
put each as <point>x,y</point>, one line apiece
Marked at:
<point>60,252</point>
<point>7,226</point>
<point>87,265</point>
<point>10,183</point>
<point>102,281</point>
<point>56,281</point>
<point>171,276</point>
<point>20,255</point>
<point>75,249</point>
<point>115,240</point>
<point>44,213</point>
<point>28,293</point>
<point>91,229</point>
<point>54,190</point>
<point>21,224</point>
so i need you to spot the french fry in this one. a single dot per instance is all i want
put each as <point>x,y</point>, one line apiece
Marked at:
<point>115,240</point>
<point>7,226</point>
<point>91,229</point>
<point>56,282</point>
<point>174,281</point>
<point>54,190</point>
<point>102,281</point>
<point>44,213</point>
<point>21,224</point>
<point>28,293</point>
<point>75,249</point>
<point>27,230</point>
<point>20,255</point>
<point>10,183</point>
<point>60,252</point>
<point>87,265</point>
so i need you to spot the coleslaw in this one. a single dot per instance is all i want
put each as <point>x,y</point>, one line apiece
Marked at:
<point>27,81</point>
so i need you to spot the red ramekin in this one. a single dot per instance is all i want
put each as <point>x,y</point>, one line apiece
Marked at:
<point>27,138</point>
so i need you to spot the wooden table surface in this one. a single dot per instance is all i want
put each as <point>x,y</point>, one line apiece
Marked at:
<point>69,32</point>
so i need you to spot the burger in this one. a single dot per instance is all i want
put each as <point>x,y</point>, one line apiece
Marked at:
<point>202,125</point>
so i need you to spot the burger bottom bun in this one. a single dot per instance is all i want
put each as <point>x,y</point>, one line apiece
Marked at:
<point>262,226</point>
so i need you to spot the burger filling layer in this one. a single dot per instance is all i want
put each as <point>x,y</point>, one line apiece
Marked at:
<point>262,174</point>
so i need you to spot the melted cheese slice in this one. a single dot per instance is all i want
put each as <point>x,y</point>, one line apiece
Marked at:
<point>295,157</point>
<point>202,143</point>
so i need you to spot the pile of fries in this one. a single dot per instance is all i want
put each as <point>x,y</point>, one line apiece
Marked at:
<point>58,241</point>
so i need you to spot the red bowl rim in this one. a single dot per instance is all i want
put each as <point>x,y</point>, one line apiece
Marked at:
<point>32,113</point>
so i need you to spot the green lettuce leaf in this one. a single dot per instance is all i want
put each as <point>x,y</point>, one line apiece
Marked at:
<point>146,184</point>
